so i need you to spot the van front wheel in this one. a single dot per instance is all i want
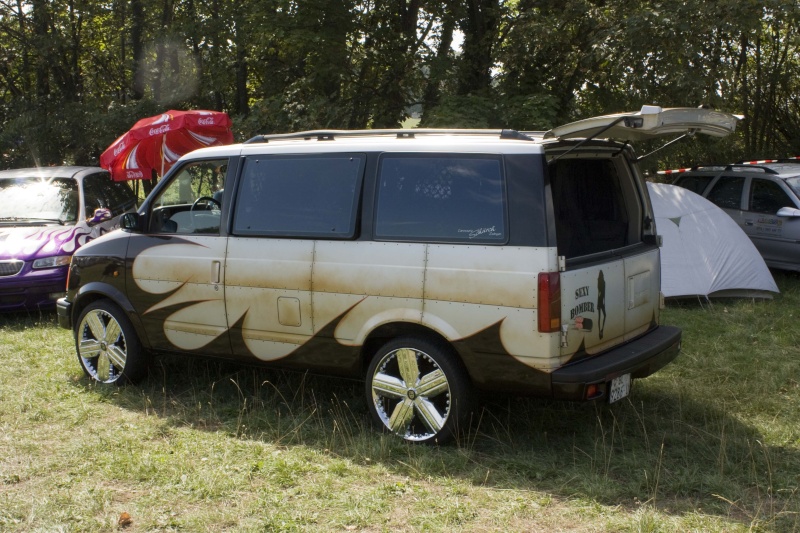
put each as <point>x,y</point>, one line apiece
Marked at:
<point>417,390</point>
<point>108,349</point>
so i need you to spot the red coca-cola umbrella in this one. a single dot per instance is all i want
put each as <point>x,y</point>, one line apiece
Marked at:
<point>156,143</point>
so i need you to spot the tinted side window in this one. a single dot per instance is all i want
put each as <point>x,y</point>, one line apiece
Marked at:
<point>727,192</point>
<point>767,197</point>
<point>696,184</point>
<point>441,198</point>
<point>100,191</point>
<point>299,196</point>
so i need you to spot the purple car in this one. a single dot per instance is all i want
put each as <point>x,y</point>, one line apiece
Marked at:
<point>45,215</point>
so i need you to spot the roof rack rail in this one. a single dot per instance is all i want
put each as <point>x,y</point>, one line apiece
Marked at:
<point>748,166</point>
<point>741,166</point>
<point>409,133</point>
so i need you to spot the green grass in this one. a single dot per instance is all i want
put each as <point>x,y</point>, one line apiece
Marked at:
<point>710,443</point>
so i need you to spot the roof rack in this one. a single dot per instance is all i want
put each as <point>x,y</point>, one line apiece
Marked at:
<point>742,166</point>
<point>748,166</point>
<point>331,135</point>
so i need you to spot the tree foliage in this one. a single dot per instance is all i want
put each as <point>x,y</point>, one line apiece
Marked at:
<point>75,74</point>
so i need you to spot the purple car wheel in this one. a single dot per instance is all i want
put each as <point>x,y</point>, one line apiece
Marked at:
<point>108,349</point>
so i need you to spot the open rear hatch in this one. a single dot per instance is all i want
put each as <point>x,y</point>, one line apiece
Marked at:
<point>648,123</point>
<point>604,224</point>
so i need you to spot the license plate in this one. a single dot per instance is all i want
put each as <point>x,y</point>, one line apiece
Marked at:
<point>620,388</point>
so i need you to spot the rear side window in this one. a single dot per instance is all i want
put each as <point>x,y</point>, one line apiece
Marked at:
<point>696,184</point>
<point>440,198</point>
<point>299,196</point>
<point>727,192</point>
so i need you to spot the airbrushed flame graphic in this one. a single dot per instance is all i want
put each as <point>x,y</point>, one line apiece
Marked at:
<point>198,311</point>
<point>34,243</point>
<point>181,271</point>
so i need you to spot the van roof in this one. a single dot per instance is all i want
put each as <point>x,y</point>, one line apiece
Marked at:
<point>401,140</point>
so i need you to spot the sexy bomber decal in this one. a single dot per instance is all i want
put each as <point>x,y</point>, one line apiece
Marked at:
<point>586,305</point>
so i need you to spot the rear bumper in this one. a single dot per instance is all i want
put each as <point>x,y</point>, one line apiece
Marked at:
<point>639,358</point>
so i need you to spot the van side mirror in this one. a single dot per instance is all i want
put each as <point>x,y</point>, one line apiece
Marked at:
<point>788,212</point>
<point>130,221</point>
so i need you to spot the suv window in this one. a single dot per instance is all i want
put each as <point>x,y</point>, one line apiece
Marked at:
<point>440,198</point>
<point>299,196</point>
<point>767,196</point>
<point>696,184</point>
<point>727,192</point>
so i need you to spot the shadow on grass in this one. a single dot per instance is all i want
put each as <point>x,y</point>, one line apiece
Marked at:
<point>664,446</point>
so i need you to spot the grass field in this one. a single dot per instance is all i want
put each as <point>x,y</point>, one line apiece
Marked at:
<point>711,443</point>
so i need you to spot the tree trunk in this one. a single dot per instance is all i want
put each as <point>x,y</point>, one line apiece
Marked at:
<point>480,31</point>
<point>137,40</point>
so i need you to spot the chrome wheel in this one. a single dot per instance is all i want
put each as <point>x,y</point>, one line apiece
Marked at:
<point>108,348</point>
<point>411,393</point>
<point>102,348</point>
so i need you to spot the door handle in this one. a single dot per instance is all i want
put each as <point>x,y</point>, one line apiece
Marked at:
<point>215,270</point>
<point>748,222</point>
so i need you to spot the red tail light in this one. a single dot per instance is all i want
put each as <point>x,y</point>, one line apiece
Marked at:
<point>549,302</point>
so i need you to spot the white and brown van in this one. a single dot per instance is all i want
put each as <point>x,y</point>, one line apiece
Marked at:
<point>426,262</point>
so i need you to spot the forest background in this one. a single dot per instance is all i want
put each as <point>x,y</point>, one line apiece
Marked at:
<point>76,74</point>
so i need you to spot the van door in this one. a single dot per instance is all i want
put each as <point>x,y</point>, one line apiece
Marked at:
<point>285,206</point>
<point>177,272</point>
<point>775,237</point>
<point>597,231</point>
<point>605,227</point>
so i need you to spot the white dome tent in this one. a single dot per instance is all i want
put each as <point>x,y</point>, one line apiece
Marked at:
<point>704,252</point>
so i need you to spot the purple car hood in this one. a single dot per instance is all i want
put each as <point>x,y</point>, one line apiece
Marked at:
<point>34,242</point>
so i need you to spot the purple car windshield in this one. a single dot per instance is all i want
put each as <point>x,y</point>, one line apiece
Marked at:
<point>36,200</point>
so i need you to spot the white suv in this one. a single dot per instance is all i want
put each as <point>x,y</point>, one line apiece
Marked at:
<point>426,262</point>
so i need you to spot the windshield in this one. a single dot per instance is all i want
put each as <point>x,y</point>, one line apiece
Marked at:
<point>794,183</point>
<point>36,199</point>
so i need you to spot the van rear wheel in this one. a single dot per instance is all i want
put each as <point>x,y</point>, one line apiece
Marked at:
<point>417,389</point>
<point>108,349</point>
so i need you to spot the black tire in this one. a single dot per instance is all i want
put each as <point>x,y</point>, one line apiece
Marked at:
<point>108,348</point>
<point>431,410</point>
